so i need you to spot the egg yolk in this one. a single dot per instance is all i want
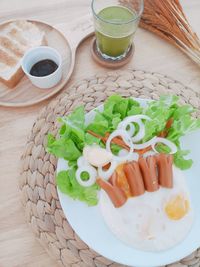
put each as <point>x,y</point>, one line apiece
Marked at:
<point>122,181</point>
<point>177,208</point>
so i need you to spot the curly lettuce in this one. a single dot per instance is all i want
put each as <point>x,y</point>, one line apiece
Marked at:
<point>73,135</point>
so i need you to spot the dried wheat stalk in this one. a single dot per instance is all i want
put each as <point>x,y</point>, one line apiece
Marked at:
<point>167,19</point>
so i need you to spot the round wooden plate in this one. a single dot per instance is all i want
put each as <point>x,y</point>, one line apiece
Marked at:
<point>63,37</point>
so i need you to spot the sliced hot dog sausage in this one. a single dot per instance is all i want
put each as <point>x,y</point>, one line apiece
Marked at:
<point>149,173</point>
<point>165,172</point>
<point>134,178</point>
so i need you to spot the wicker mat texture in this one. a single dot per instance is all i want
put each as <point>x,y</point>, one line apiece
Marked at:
<point>37,181</point>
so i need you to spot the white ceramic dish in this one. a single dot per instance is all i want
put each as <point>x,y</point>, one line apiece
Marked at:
<point>88,223</point>
<point>36,54</point>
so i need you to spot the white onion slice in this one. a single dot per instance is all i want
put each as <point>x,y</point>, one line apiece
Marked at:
<point>127,140</point>
<point>107,173</point>
<point>136,118</point>
<point>166,142</point>
<point>140,134</point>
<point>123,152</point>
<point>133,156</point>
<point>92,175</point>
<point>129,122</point>
<point>124,126</point>
<point>151,142</point>
<point>131,129</point>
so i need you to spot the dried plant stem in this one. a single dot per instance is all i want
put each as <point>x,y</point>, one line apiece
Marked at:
<point>167,19</point>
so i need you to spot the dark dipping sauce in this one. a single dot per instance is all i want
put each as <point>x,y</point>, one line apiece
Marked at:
<point>43,68</point>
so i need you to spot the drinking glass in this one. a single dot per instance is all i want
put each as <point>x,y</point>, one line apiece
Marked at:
<point>115,22</point>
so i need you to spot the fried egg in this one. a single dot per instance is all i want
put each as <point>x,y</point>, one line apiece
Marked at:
<point>154,221</point>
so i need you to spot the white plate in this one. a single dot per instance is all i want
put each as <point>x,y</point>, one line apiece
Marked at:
<point>88,223</point>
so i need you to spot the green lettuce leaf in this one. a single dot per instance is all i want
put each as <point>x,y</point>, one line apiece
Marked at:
<point>76,119</point>
<point>160,112</point>
<point>63,148</point>
<point>73,126</point>
<point>116,108</point>
<point>73,136</point>
<point>90,139</point>
<point>181,162</point>
<point>99,125</point>
<point>67,184</point>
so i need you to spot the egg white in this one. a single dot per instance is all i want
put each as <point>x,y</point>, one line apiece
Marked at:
<point>142,222</point>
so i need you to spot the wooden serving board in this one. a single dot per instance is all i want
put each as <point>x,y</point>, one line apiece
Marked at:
<point>65,38</point>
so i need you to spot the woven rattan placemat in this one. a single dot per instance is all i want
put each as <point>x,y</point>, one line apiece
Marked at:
<point>37,181</point>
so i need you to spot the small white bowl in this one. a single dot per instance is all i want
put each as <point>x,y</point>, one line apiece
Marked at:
<point>36,54</point>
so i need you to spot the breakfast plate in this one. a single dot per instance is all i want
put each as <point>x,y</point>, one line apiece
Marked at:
<point>65,38</point>
<point>89,224</point>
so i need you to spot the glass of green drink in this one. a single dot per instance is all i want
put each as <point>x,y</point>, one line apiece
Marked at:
<point>115,23</point>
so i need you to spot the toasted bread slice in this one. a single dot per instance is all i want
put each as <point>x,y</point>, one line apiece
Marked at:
<point>15,39</point>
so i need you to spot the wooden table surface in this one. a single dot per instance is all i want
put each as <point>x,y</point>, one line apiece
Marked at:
<point>17,244</point>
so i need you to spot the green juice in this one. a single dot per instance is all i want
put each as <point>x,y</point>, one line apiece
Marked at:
<point>114,36</point>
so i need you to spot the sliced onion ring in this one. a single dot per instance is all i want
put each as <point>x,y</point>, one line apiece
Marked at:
<point>124,126</point>
<point>92,173</point>
<point>141,132</point>
<point>136,118</point>
<point>166,142</point>
<point>107,173</point>
<point>127,140</point>
<point>133,156</point>
<point>129,122</point>
<point>151,142</point>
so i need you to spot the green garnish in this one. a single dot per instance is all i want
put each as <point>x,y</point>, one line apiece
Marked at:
<point>73,136</point>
